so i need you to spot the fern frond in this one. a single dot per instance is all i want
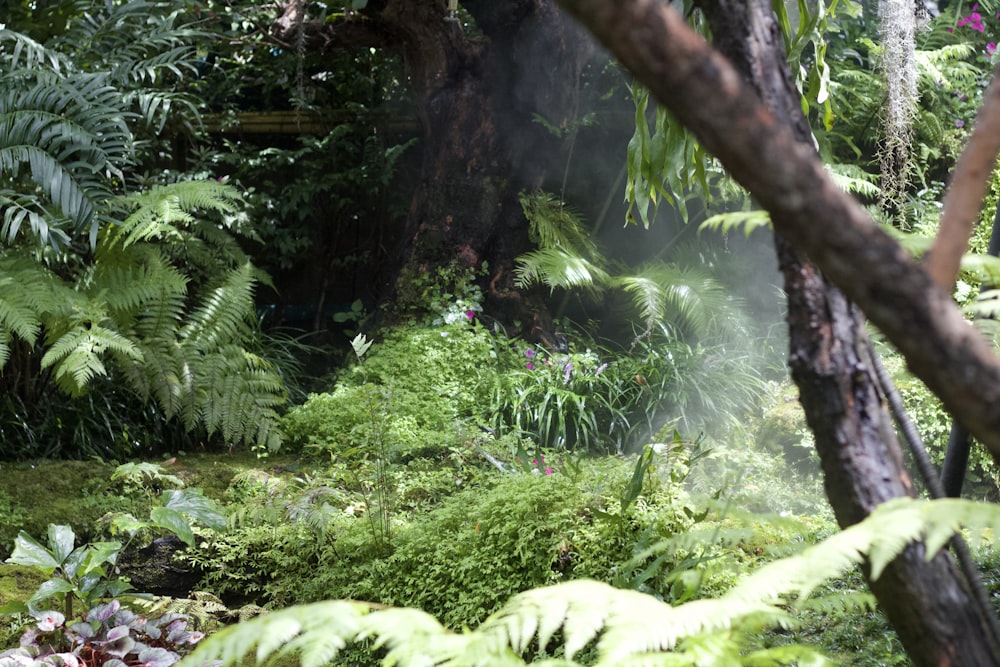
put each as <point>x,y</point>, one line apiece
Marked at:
<point>27,290</point>
<point>320,630</point>
<point>748,221</point>
<point>840,603</point>
<point>555,225</point>
<point>556,267</point>
<point>852,178</point>
<point>223,313</point>
<point>946,65</point>
<point>75,356</point>
<point>690,297</point>
<point>238,395</point>
<point>140,285</point>
<point>164,210</point>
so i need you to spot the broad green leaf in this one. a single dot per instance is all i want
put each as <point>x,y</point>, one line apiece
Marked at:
<point>194,504</point>
<point>98,554</point>
<point>14,607</point>
<point>175,522</point>
<point>49,589</point>
<point>61,540</point>
<point>29,552</point>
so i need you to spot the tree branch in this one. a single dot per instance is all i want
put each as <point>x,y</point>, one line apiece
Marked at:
<point>355,31</point>
<point>964,199</point>
<point>706,94</point>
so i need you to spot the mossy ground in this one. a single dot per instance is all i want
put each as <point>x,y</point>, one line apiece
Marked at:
<point>78,493</point>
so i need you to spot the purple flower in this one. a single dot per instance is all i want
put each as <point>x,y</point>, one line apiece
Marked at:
<point>991,48</point>
<point>959,122</point>
<point>530,366</point>
<point>530,353</point>
<point>567,372</point>
<point>470,314</point>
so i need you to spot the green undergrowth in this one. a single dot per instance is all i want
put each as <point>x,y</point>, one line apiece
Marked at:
<point>462,536</point>
<point>34,494</point>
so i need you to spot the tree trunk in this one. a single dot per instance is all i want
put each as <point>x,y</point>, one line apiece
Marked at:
<point>926,602</point>
<point>479,91</point>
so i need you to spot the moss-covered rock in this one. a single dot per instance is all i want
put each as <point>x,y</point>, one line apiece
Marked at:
<point>783,430</point>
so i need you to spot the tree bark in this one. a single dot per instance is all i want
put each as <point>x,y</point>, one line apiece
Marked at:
<point>477,90</point>
<point>927,603</point>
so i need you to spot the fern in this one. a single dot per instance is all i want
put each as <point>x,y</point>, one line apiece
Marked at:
<point>555,267</point>
<point>76,355</point>
<point>164,211</point>
<point>748,221</point>
<point>689,297</point>
<point>625,627</point>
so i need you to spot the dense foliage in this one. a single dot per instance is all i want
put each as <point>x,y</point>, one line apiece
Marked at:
<point>446,464</point>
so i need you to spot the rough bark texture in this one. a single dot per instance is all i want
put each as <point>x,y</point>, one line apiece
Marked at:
<point>862,461</point>
<point>477,94</point>
<point>705,93</point>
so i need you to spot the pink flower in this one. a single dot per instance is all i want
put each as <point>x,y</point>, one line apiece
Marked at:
<point>991,48</point>
<point>470,314</point>
<point>530,366</point>
<point>548,470</point>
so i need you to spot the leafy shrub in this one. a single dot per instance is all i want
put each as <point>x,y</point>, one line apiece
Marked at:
<point>933,424</point>
<point>420,379</point>
<point>463,557</point>
<point>607,400</point>
<point>107,636</point>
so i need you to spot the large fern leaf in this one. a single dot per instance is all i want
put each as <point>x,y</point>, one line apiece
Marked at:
<point>164,211</point>
<point>76,355</point>
<point>555,267</point>
<point>688,297</point>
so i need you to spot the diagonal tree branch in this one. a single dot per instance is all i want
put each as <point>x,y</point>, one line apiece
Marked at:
<point>706,94</point>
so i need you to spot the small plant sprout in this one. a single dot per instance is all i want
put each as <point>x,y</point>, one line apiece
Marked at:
<point>360,344</point>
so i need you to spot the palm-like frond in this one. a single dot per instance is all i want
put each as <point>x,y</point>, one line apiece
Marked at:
<point>627,627</point>
<point>555,225</point>
<point>689,297</point>
<point>137,44</point>
<point>556,267</point>
<point>69,134</point>
<point>28,54</point>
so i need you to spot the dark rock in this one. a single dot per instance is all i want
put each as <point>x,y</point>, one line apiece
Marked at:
<point>154,569</point>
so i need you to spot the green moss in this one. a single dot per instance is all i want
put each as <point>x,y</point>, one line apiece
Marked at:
<point>18,582</point>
